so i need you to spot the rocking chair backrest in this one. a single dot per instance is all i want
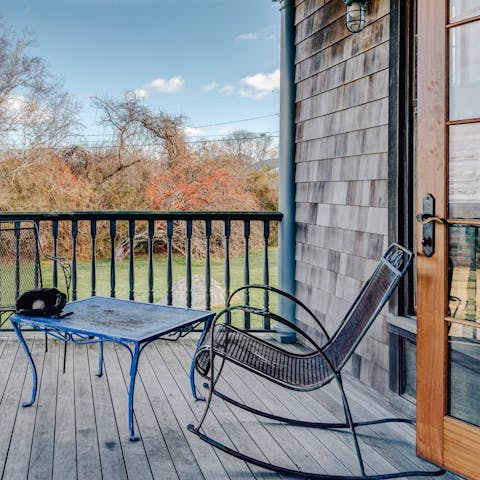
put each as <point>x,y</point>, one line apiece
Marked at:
<point>19,261</point>
<point>392,267</point>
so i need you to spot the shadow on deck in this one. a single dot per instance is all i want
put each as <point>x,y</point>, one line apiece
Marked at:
<point>78,426</point>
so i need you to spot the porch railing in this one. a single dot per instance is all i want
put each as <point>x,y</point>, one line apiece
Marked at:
<point>54,225</point>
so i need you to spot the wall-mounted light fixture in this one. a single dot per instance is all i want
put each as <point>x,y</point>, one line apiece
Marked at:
<point>356,14</point>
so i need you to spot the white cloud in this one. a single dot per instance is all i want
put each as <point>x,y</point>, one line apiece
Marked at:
<point>174,84</point>
<point>256,86</point>
<point>249,36</point>
<point>140,93</point>
<point>211,86</point>
<point>228,90</point>
<point>24,110</point>
<point>263,82</point>
<point>256,95</point>
<point>162,85</point>
<point>193,132</point>
<point>265,34</point>
<point>225,131</point>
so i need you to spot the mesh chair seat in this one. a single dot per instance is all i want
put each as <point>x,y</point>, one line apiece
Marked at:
<point>296,372</point>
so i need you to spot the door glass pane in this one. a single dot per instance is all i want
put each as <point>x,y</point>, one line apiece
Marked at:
<point>462,9</point>
<point>465,71</point>
<point>410,368</point>
<point>464,374</point>
<point>464,340</point>
<point>464,171</point>
<point>464,273</point>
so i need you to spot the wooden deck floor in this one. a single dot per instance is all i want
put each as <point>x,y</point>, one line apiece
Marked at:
<point>78,426</point>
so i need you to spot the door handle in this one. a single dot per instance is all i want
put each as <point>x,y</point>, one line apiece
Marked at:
<point>428,225</point>
<point>428,219</point>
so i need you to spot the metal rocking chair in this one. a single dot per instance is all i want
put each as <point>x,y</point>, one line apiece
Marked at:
<point>20,267</point>
<point>301,372</point>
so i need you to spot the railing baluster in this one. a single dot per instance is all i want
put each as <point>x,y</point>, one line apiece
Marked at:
<point>169,261</point>
<point>74,258</point>
<point>151,231</point>
<point>93,235</point>
<point>246,271</point>
<point>188,244</point>
<point>17,259</point>
<point>113,276</point>
<point>208,234</point>
<point>131,270</point>
<point>227,265</point>
<point>266,276</point>
<point>37,276</point>
<point>1,278</point>
<point>55,252</point>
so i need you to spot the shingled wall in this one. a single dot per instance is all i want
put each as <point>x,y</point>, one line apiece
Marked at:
<point>342,87</point>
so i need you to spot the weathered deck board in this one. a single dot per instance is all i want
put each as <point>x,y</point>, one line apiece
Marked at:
<point>207,460</point>
<point>65,447</point>
<point>111,455</point>
<point>41,457</point>
<point>88,456</point>
<point>15,365</point>
<point>136,461</point>
<point>78,427</point>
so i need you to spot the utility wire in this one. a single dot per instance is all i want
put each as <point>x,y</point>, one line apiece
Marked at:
<point>146,145</point>
<point>234,121</point>
<point>189,126</point>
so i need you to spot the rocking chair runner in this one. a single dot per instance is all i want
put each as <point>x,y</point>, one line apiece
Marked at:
<point>301,372</point>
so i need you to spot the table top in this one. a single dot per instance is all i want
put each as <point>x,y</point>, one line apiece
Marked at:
<point>116,319</point>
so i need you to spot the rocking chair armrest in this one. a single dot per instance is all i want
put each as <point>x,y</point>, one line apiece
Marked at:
<point>285,294</point>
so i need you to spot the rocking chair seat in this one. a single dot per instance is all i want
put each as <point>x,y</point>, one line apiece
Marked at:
<point>296,372</point>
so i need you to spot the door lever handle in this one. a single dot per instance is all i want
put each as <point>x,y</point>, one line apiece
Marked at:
<point>427,219</point>
<point>424,219</point>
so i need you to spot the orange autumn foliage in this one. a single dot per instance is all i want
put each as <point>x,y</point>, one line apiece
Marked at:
<point>201,184</point>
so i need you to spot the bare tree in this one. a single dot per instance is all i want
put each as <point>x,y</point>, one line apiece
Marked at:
<point>35,109</point>
<point>135,126</point>
<point>248,147</point>
<point>170,130</point>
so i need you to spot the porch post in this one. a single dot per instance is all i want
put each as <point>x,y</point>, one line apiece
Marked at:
<point>286,261</point>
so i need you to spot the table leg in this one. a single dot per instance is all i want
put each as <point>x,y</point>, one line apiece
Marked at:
<point>192,366</point>
<point>18,331</point>
<point>131,391</point>
<point>100,358</point>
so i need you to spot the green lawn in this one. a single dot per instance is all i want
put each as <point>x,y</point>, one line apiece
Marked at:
<point>160,275</point>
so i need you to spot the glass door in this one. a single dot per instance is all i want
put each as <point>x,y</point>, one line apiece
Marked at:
<point>448,359</point>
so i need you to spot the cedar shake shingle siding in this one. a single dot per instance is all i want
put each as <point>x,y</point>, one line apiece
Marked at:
<point>342,91</point>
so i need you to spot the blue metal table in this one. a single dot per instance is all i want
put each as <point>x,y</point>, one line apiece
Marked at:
<point>129,323</point>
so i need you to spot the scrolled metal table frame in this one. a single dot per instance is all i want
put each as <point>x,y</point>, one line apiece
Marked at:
<point>134,347</point>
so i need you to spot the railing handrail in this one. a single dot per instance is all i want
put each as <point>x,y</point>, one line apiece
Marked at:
<point>142,215</point>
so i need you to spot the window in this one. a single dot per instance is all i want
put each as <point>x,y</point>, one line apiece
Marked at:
<point>402,188</point>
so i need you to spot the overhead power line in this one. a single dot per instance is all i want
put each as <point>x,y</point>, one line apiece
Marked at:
<point>145,145</point>
<point>234,121</point>
<point>189,126</point>
<point>158,144</point>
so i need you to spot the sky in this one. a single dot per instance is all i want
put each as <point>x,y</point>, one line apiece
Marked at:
<point>213,61</point>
